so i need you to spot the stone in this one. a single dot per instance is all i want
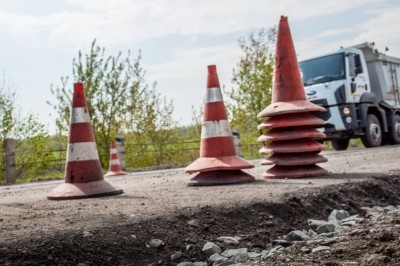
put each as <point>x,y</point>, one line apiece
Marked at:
<point>325,228</point>
<point>325,235</point>
<point>351,218</point>
<point>216,258</point>
<point>87,234</point>
<point>200,263</point>
<point>241,257</point>
<point>338,215</point>
<point>186,263</point>
<point>276,248</point>
<point>305,250</point>
<point>311,233</point>
<point>225,263</point>
<point>348,223</point>
<point>253,255</point>
<point>230,253</point>
<point>389,209</point>
<point>296,235</point>
<point>282,242</point>
<point>156,243</point>
<point>210,248</point>
<point>176,256</point>
<point>265,252</point>
<point>321,249</point>
<point>229,240</point>
<point>314,224</point>
<point>242,250</point>
<point>196,223</point>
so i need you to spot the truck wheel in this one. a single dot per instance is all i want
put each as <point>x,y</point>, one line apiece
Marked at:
<point>340,144</point>
<point>394,134</point>
<point>373,132</point>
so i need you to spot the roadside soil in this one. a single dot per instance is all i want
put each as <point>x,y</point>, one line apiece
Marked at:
<point>158,205</point>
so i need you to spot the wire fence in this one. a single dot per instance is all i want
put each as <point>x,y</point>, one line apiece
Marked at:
<point>49,164</point>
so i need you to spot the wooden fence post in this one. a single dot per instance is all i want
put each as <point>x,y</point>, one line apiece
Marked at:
<point>11,171</point>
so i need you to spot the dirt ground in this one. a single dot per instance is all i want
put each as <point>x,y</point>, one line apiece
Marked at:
<point>116,230</point>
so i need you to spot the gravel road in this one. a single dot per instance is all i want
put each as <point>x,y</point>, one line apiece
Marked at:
<point>25,212</point>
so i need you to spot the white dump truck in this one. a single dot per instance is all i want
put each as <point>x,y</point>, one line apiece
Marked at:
<point>359,87</point>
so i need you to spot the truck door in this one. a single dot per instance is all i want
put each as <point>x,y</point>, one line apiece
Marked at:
<point>358,82</point>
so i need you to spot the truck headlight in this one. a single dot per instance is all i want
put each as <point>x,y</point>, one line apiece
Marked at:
<point>346,111</point>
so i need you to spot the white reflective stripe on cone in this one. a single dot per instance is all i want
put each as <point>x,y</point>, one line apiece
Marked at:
<point>114,162</point>
<point>113,151</point>
<point>83,151</point>
<point>214,95</point>
<point>211,129</point>
<point>80,115</point>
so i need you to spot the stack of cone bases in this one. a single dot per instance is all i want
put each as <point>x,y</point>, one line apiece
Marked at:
<point>115,166</point>
<point>290,127</point>
<point>218,163</point>
<point>83,172</point>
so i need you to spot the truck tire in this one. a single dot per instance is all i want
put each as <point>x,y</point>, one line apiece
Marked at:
<point>340,144</point>
<point>373,132</point>
<point>394,133</point>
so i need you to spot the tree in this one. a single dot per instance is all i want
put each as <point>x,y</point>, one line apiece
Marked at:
<point>252,81</point>
<point>30,134</point>
<point>119,98</point>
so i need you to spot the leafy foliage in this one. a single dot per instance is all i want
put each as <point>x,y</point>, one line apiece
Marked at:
<point>119,100</point>
<point>252,81</point>
<point>25,129</point>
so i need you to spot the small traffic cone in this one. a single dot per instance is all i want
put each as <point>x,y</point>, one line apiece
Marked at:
<point>83,172</point>
<point>218,163</point>
<point>291,128</point>
<point>115,166</point>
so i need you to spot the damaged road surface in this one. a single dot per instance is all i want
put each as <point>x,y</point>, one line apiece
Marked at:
<point>158,217</point>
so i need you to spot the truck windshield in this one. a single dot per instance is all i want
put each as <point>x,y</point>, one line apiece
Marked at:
<point>323,69</point>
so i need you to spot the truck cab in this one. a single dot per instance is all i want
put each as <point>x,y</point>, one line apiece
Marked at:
<point>341,83</point>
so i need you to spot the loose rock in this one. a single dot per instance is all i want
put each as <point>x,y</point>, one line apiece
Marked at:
<point>338,215</point>
<point>210,248</point>
<point>321,249</point>
<point>229,240</point>
<point>156,243</point>
<point>176,256</point>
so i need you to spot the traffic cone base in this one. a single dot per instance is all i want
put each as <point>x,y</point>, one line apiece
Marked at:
<point>69,191</point>
<point>279,134</point>
<point>113,173</point>
<point>220,177</point>
<point>206,164</point>
<point>292,146</point>
<point>298,171</point>
<point>294,159</point>
<point>279,108</point>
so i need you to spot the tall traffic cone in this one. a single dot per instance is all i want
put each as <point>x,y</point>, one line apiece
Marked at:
<point>291,128</point>
<point>83,172</point>
<point>218,163</point>
<point>115,166</point>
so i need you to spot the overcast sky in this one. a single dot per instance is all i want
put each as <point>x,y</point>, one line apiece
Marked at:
<point>178,38</point>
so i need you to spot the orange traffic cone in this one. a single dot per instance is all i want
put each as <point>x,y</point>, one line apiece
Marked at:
<point>218,163</point>
<point>115,166</point>
<point>291,129</point>
<point>83,172</point>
